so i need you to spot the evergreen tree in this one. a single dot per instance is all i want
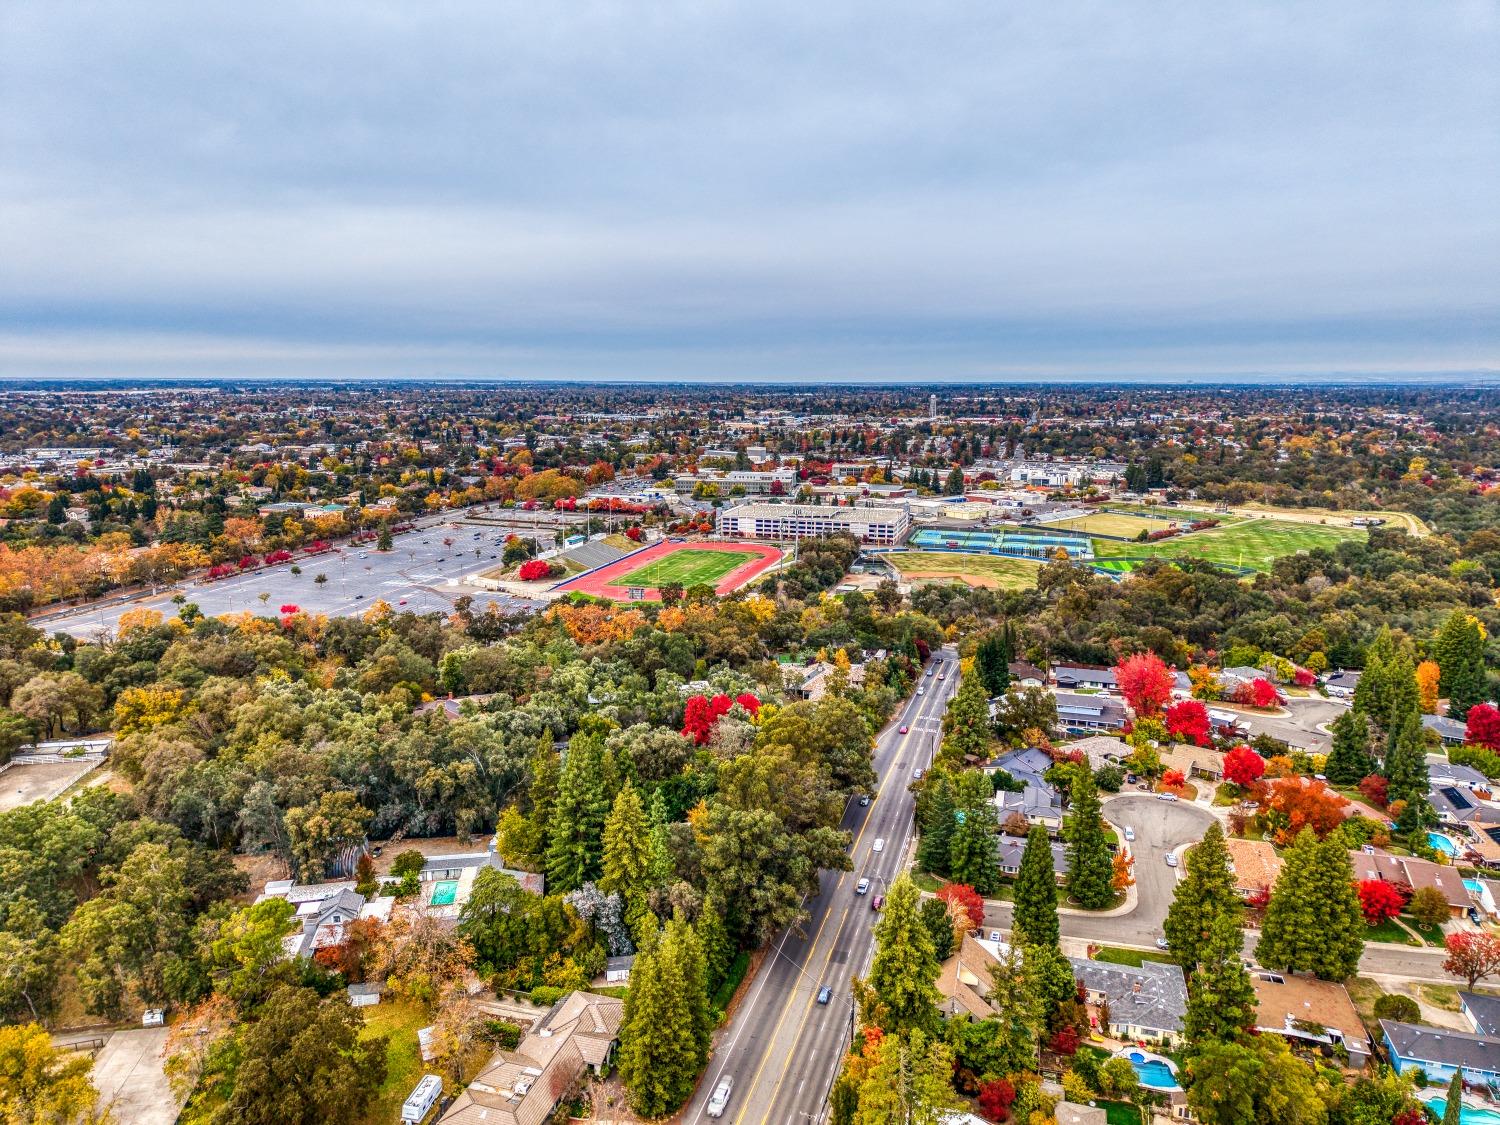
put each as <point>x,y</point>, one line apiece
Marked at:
<point>992,660</point>
<point>971,851</point>
<point>1221,999</point>
<point>718,950</point>
<point>954,485</point>
<point>1405,771</point>
<point>576,830</point>
<point>1018,1011</point>
<point>660,1052</point>
<point>680,942</point>
<point>661,866</point>
<point>1090,868</point>
<point>1349,761</point>
<point>910,1083</point>
<point>1453,1104</point>
<point>1372,695</point>
<point>905,969</point>
<point>1314,923</point>
<point>1205,895</point>
<point>1459,652</point>
<point>383,538</point>
<point>966,723</point>
<point>939,925</point>
<point>938,822</point>
<point>1051,978</point>
<point>627,852</point>
<point>1035,918</point>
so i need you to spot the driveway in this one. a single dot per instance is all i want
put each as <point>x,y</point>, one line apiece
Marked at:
<point>130,1077</point>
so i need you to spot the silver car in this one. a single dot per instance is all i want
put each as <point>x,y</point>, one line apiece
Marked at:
<point>719,1102</point>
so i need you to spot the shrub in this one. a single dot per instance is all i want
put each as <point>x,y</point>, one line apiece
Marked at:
<point>1402,1009</point>
<point>1429,906</point>
<point>1379,900</point>
<point>546,995</point>
<point>1109,778</point>
<point>534,570</point>
<point>409,862</point>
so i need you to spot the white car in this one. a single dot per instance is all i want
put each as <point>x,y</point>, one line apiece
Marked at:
<point>718,1102</point>
<point>878,845</point>
<point>1129,833</point>
<point>862,887</point>
<point>1171,860</point>
<point>1166,796</point>
<point>1163,943</point>
<point>921,691</point>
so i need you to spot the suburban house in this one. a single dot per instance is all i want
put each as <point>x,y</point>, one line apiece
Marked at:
<point>1341,684</point>
<point>1312,1010</point>
<point>524,1086</point>
<point>1038,800</point>
<point>1446,774</point>
<point>1414,873</point>
<point>1145,1002</point>
<point>1023,674</point>
<point>1440,1052</point>
<point>1451,731</point>
<point>1455,805</point>
<point>1075,676</point>
<point>448,880</point>
<point>1482,1012</point>
<point>1254,863</point>
<point>813,681</point>
<point>966,977</point>
<point>1084,714</point>
<point>323,910</point>
<point>1009,850</point>
<point>1193,761</point>
<point>1101,750</point>
<point>617,969</point>
<point>451,707</point>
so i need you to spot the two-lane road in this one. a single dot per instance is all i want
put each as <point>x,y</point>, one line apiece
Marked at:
<point>783,1048</point>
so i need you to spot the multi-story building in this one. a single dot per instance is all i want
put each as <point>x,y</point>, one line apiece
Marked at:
<point>878,526</point>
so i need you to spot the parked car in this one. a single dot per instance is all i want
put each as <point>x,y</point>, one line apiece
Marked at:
<point>718,1102</point>
<point>1171,860</point>
<point>825,994</point>
<point>862,887</point>
<point>994,935</point>
<point>1166,796</point>
<point>1129,833</point>
<point>917,774</point>
<point>1162,943</point>
<point>864,800</point>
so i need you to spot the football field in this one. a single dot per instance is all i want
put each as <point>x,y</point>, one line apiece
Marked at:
<point>689,566</point>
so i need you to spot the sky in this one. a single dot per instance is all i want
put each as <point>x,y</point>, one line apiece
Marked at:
<point>703,191</point>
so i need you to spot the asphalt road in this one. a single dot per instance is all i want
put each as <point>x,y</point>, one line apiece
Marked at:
<point>782,1048</point>
<point>419,574</point>
<point>1299,726</point>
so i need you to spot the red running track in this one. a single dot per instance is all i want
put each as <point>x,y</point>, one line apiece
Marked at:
<point>602,583</point>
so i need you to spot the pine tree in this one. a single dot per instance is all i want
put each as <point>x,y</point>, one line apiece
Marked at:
<point>1373,693</point>
<point>938,822</point>
<point>718,950</point>
<point>1314,923</point>
<point>1349,761</point>
<point>681,943</point>
<point>1221,999</point>
<point>1205,897</point>
<point>911,1082</point>
<point>577,825</point>
<point>662,868</point>
<point>627,851</point>
<point>1090,869</point>
<point>1453,1104</point>
<point>1459,651</point>
<point>383,538</point>
<point>992,660</point>
<point>966,723</point>
<point>1035,918</point>
<point>905,969</point>
<point>1405,771</point>
<point>971,851</point>
<point>660,1052</point>
<point>1404,696</point>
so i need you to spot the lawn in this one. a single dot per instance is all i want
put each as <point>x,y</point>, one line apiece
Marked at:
<point>688,566</point>
<point>1113,955</point>
<point>996,571</point>
<point>1389,932</point>
<point>1120,1113</point>
<point>1253,543</point>
<point>1113,523</point>
<point>403,1059</point>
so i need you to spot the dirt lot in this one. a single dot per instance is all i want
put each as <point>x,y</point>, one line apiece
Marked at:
<point>21,785</point>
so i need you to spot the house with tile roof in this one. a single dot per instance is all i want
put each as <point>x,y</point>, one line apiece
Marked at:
<point>1254,863</point>
<point>1414,873</point>
<point>1312,1011</point>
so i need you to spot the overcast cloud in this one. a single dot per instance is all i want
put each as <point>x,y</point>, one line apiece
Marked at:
<point>747,191</point>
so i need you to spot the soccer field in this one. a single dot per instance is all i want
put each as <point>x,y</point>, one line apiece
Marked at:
<point>1254,543</point>
<point>994,571</point>
<point>688,566</point>
<point>1111,523</point>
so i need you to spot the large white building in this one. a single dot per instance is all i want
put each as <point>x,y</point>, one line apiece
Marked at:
<point>878,526</point>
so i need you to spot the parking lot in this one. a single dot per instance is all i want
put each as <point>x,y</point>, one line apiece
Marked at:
<point>422,573</point>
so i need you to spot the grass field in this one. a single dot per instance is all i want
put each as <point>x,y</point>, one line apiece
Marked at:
<point>1255,543</point>
<point>403,1058</point>
<point>688,566</point>
<point>1112,523</point>
<point>995,571</point>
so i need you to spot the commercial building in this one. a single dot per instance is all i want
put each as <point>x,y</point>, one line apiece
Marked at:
<point>879,526</point>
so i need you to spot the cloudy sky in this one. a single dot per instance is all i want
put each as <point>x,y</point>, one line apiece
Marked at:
<point>699,190</point>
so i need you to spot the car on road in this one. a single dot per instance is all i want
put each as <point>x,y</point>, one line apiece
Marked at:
<point>864,800</point>
<point>1171,859</point>
<point>916,774</point>
<point>929,672</point>
<point>1166,796</point>
<point>825,994</point>
<point>942,675</point>
<point>363,555</point>
<point>1163,943</point>
<point>921,691</point>
<point>1129,833</point>
<point>862,887</point>
<point>877,902</point>
<point>903,728</point>
<point>718,1101</point>
<point>878,845</point>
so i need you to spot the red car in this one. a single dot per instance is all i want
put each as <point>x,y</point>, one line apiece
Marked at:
<point>903,728</point>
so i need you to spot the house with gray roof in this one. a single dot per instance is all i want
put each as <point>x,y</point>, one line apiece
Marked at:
<point>1439,1052</point>
<point>1482,1012</point>
<point>1451,731</point>
<point>1341,684</point>
<point>1070,676</point>
<point>1145,1002</point>
<point>1038,799</point>
<point>1010,849</point>
<point>1445,772</point>
<point>1088,714</point>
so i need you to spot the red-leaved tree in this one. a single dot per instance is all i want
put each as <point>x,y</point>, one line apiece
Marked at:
<point>1263,693</point>
<point>1472,956</point>
<point>962,897</point>
<point>749,703</point>
<point>700,713</point>
<point>995,1099</point>
<point>1298,803</point>
<point>1064,1041</point>
<point>1187,721</point>
<point>1379,900</point>
<point>1244,767</point>
<point>534,570</point>
<point>1375,789</point>
<point>1145,682</point>
<point>1173,779</point>
<point>1483,728</point>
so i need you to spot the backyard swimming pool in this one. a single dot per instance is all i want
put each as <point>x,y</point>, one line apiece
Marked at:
<point>1153,1071</point>
<point>1467,1115</point>
<point>1442,843</point>
<point>444,892</point>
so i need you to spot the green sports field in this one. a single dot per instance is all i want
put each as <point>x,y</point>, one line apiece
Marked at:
<point>1111,523</point>
<point>687,566</point>
<point>995,571</point>
<point>1254,543</point>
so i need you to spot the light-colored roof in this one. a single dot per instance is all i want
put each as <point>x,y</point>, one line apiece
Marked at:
<point>817,511</point>
<point>1320,1002</point>
<point>1255,863</point>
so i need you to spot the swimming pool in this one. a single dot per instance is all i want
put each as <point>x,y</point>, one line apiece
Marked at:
<point>1442,843</point>
<point>1468,1115</point>
<point>444,892</point>
<point>1153,1071</point>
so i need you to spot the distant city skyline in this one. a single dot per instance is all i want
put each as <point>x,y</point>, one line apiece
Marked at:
<point>763,193</point>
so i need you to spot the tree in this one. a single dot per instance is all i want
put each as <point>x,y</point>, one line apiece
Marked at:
<point>57,701</point>
<point>1258,1080</point>
<point>1221,999</point>
<point>1295,803</point>
<point>1459,651</point>
<point>1472,956</point>
<point>575,839</point>
<point>1349,760</point>
<point>992,660</point>
<point>1405,771</point>
<point>1243,767</point>
<point>938,821</point>
<point>1379,900</point>
<point>1090,871</point>
<point>43,1085</point>
<point>661,1047</point>
<point>248,943</point>
<point>302,1061</point>
<point>1205,894</point>
<point>1483,727</point>
<point>1022,710</point>
<point>383,537</point>
<point>1314,923</point>
<point>1187,721</point>
<point>966,723</point>
<point>904,971</point>
<point>1428,674</point>
<point>1035,918</point>
<point>971,851</point>
<point>909,1081</point>
<point>318,832</point>
<point>1145,682</point>
<point>627,850</point>
<point>1453,1107</point>
<point>941,923</point>
<point>1429,906</point>
<point>964,907</point>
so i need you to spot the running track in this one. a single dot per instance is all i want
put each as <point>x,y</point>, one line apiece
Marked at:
<point>602,583</point>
